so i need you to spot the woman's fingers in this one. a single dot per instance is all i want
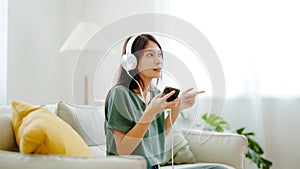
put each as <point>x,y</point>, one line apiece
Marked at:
<point>188,90</point>
<point>189,100</point>
<point>173,103</point>
<point>200,92</point>
<point>193,94</point>
<point>158,95</point>
<point>169,95</point>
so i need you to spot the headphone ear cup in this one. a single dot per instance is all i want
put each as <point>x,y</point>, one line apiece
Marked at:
<point>128,62</point>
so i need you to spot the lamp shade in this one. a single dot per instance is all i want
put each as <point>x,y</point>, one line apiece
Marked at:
<point>79,37</point>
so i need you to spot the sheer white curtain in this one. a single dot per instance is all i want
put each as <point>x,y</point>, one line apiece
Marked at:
<point>258,45</point>
<point>3,52</point>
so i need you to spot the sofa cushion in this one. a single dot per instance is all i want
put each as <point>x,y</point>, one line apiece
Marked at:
<point>39,131</point>
<point>87,120</point>
<point>181,150</point>
<point>199,166</point>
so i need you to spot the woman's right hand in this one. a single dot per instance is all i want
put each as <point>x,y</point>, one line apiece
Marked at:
<point>159,103</point>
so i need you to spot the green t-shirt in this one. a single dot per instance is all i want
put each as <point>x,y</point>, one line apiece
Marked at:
<point>123,110</point>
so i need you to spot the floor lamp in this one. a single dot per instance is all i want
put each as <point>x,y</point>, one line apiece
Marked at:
<point>76,41</point>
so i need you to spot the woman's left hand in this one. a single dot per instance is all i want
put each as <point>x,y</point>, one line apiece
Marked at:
<point>175,105</point>
<point>188,98</point>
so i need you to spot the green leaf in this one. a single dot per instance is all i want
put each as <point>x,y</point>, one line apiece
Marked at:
<point>240,131</point>
<point>216,121</point>
<point>266,164</point>
<point>249,134</point>
<point>256,158</point>
<point>204,116</point>
<point>255,146</point>
<point>219,129</point>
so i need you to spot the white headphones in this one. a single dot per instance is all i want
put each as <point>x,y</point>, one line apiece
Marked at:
<point>128,60</point>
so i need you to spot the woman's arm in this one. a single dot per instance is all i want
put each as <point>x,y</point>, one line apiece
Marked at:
<point>127,142</point>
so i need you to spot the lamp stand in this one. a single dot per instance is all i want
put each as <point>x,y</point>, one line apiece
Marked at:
<point>86,89</point>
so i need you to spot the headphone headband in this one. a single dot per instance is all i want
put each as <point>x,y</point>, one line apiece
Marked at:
<point>129,44</point>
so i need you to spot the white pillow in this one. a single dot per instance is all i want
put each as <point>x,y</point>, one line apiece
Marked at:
<point>87,120</point>
<point>181,150</point>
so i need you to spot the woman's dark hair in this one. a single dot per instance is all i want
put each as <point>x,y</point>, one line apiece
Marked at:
<point>137,48</point>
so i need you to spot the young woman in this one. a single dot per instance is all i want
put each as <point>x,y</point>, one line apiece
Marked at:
<point>134,110</point>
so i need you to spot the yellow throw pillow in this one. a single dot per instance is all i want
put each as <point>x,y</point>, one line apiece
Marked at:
<point>38,131</point>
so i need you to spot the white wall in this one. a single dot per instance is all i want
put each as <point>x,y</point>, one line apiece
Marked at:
<point>34,33</point>
<point>72,13</point>
<point>37,72</point>
<point>102,13</point>
<point>281,122</point>
<point>105,12</point>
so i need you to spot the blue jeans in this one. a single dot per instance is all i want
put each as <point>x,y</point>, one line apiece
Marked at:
<point>154,167</point>
<point>202,167</point>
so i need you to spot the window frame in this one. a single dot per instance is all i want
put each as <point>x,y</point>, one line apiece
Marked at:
<point>3,51</point>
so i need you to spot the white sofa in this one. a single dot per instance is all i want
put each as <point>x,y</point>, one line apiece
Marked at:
<point>207,147</point>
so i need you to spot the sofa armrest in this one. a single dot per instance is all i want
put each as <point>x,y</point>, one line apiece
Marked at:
<point>215,147</point>
<point>13,160</point>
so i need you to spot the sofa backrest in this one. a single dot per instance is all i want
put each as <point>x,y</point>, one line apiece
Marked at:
<point>5,110</point>
<point>87,121</point>
<point>7,137</point>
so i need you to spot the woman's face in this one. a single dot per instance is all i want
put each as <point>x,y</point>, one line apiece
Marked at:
<point>151,61</point>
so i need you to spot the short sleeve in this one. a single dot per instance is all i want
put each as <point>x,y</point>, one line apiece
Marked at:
<point>119,111</point>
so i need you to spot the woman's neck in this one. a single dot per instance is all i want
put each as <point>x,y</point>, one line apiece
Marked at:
<point>145,89</point>
<point>147,83</point>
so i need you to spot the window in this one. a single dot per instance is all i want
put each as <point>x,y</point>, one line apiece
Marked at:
<point>259,51</point>
<point>3,52</point>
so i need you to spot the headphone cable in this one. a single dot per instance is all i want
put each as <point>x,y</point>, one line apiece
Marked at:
<point>172,141</point>
<point>140,88</point>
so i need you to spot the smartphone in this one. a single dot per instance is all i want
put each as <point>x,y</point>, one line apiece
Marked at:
<point>168,90</point>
